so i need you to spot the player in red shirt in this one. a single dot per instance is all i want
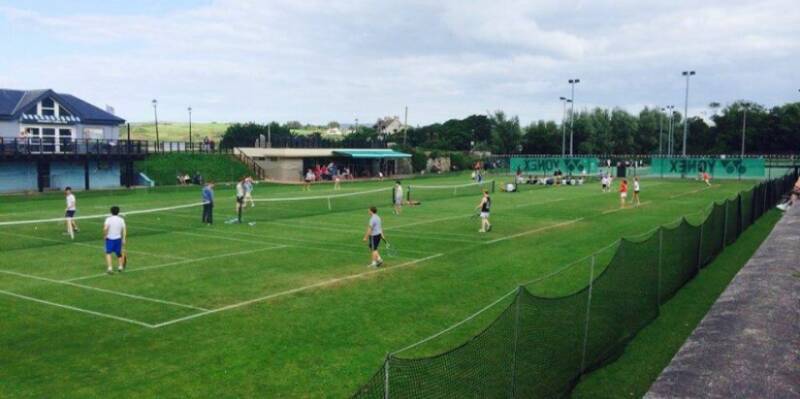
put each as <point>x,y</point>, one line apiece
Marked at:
<point>623,193</point>
<point>707,179</point>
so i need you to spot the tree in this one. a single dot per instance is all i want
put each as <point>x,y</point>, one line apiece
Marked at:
<point>333,125</point>
<point>542,137</point>
<point>506,133</point>
<point>292,125</point>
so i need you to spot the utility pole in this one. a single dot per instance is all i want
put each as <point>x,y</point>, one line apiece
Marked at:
<point>269,135</point>
<point>686,110</point>
<point>572,83</point>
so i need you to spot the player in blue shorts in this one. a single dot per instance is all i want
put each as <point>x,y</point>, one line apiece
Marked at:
<point>115,232</point>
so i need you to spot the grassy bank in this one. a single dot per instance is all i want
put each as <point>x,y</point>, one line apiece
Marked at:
<point>653,348</point>
<point>164,168</point>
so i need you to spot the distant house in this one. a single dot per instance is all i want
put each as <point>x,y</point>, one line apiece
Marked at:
<point>389,125</point>
<point>51,140</point>
<point>54,118</point>
<point>334,131</point>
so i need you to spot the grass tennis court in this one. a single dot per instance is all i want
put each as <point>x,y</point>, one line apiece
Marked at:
<point>285,307</point>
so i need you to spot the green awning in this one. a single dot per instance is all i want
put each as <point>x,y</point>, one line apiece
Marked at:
<point>371,154</point>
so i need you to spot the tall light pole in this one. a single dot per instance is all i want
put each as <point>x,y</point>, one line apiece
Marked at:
<point>686,110</point>
<point>572,83</point>
<point>564,101</point>
<point>155,117</point>
<point>671,109</point>
<point>745,106</point>
<point>660,130</point>
<point>405,127</point>
<point>190,126</point>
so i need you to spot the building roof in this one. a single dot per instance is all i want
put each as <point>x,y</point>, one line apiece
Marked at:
<point>14,102</point>
<point>360,153</point>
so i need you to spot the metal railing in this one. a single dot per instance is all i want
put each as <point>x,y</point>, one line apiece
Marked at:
<point>65,146</point>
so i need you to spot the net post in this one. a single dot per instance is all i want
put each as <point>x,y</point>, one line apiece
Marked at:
<point>516,342</point>
<point>660,253</point>
<point>408,193</point>
<point>700,246</point>
<point>386,377</point>
<point>493,186</point>
<point>588,311</point>
<point>330,208</point>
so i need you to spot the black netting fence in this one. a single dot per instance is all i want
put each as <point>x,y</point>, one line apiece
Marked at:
<point>540,347</point>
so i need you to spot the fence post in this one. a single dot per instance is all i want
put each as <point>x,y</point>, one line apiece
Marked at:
<point>386,377</point>
<point>725,226</point>
<point>660,252</point>
<point>700,247</point>
<point>516,342</point>
<point>588,311</point>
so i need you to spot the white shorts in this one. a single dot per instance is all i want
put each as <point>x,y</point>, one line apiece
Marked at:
<point>398,201</point>
<point>623,195</point>
<point>484,215</point>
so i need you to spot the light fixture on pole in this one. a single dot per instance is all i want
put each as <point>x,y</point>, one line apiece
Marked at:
<point>572,83</point>
<point>564,101</point>
<point>190,126</point>
<point>155,118</point>
<point>686,110</point>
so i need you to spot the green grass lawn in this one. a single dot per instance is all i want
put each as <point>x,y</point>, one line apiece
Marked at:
<point>176,131</point>
<point>284,307</point>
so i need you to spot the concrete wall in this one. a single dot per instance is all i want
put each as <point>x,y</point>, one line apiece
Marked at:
<point>18,177</point>
<point>284,169</point>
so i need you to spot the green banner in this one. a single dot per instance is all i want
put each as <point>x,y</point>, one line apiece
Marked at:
<point>716,167</point>
<point>545,166</point>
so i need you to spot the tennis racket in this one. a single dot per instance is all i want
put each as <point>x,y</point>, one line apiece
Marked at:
<point>391,251</point>
<point>124,258</point>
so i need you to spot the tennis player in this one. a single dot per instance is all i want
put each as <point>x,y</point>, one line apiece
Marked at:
<point>485,207</point>
<point>707,179</point>
<point>69,214</point>
<point>374,235</point>
<point>308,179</point>
<point>208,203</point>
<point>115,233</point>
<point>239,199</point>
<point>248,191</point>
<point>398,197</point>
<point>635,200</point>
<point>793,198</point>
<point>623,193</point>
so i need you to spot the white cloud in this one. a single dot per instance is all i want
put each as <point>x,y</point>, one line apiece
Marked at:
<point>317,61</point>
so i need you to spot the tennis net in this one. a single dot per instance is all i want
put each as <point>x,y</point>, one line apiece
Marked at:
<point>424,193</point>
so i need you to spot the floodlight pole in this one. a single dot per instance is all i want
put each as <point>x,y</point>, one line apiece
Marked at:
<point>564,101</point>
<point>405,126</point>
<point>155,118</point>
<point>744,125</point>
<point>686,110</point>
<point>190,127</point>
<point>572,83</point>
<point>660,130</point>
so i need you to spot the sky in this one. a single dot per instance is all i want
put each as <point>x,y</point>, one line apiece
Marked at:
<point>324,60</point>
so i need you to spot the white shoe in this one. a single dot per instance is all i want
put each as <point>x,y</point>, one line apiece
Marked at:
<point>783,207</point>
<point>373,264</point>
<point>481,231</point>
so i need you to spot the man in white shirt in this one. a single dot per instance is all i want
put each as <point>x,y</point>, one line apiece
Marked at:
<point>239,199</point>
<point>374,235</point>
<point>114,232</point>
<point>69,214</point>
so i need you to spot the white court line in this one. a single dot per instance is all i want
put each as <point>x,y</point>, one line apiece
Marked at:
<point>295,290</point>
<point>91,312</point>
<point>182,262</point>
<point>87,287</point>
<point>82,244</point>
<point>425,235</point>
<point>524,233</point>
